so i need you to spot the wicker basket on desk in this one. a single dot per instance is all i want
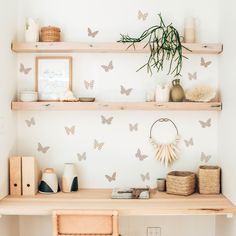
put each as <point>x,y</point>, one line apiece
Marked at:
<point>181,183</point>
<point>209,180</point>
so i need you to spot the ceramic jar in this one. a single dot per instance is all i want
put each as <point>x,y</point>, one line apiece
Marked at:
<point>177,92</point>
<point>28,96</point>
<point>162,93</point>
<point>31,31</point>
<point>69,178</point>
<point>49,183</point>
<point>189,30</point>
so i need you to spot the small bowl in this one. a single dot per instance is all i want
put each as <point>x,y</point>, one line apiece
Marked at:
<point>28,96</point>
<point>86,99</point>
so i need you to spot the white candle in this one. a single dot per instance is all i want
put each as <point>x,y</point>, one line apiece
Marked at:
<point>189,30</point>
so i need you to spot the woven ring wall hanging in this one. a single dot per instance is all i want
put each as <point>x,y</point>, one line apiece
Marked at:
<point>166,153</point>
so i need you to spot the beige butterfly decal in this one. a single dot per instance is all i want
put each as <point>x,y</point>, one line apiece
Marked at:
<point>133,127</point>
<point>205,124</point>
<point>89,84</point>
<point>124,91</point>
<point>189,142</point>
<point>30,122</point>
<point>71,130</point>
<point>192,76</point>
<point>140,156</point>
<point>106,120</point>
<point>98,145</point>
<point>108,67</point>
<point>145,177</point>
<point>142,16</point>
<point>42,149</point>
<point>91,33</point>
<point>82,157</point>
<point>205,63</point>
<point>24,70</point>
<point>205,158</point>
<point>111,178</point>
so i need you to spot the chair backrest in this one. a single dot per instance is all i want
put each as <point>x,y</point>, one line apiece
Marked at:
<point>78,223</point>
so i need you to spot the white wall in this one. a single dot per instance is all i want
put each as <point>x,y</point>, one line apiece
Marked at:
<point>227,125</point>
<point>8,12</point>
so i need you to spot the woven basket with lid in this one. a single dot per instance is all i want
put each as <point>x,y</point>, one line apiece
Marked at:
<point>181,183</point>
<point>209,179</point>
<point>50,34</point>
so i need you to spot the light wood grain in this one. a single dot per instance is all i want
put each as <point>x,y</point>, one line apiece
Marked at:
<point>107,47</point>
<point>85,222</point>
<point>100,199</point>
<point>148,106</point>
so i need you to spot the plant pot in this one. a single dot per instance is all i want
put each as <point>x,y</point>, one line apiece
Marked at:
<point>162,93</point>
<point>49,183</point>
<point>31,31</point>
<point>177,92</point>
<point>69,178</point>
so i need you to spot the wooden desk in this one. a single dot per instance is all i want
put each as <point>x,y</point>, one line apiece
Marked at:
<point>95,199</point>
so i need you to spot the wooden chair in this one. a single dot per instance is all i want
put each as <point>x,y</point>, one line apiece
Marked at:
<point>82,223</point>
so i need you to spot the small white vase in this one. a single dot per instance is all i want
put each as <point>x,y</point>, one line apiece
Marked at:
<point>49,183</point>
<point>69,178</point>
<point>31,31</point>
<point>162,93</point>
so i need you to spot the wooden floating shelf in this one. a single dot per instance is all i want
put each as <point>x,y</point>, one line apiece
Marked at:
<point>70,47</point>
<point>95,199</point>
<point>146,106</point>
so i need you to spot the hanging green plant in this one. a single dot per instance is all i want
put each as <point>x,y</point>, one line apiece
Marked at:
<point>165,44</point>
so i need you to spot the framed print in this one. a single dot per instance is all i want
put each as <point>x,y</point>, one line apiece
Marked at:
<point>53,77</point>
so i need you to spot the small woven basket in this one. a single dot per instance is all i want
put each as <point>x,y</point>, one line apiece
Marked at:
<point>209,180</point>
<point>50,34</point>
<point>181,183</point>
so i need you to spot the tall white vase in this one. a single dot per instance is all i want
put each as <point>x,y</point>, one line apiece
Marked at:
<point>163,92</point>
<point>31,31</point>
<point>69,178</point>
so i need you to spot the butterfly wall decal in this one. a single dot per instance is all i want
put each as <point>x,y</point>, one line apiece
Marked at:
<point>30,122</point>
<point>71,130</point>
<point>82,157</point>
<point>89,84</point>
<point>145,177</point>
<point>205,124</point>
<point>24,70</point>
<point>106,120</point>
<point>142,16</point>
<point>133,127</point>
<point>140,156</point>
<point>192,76</point>
<point>42,149</point>
<point>205,63</point>
<point>108,67</point>
<point>111,178</point>
<point>205,158</point>
<point>189,142</point>
<point>124,91</point>
<point>91,33</point>
<point>98,145</point>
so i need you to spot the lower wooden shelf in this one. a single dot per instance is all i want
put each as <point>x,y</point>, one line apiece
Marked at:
<point>100,199</point>
<point>148,106</point>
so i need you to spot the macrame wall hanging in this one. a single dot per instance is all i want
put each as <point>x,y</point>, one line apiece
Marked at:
<point>166,153</point>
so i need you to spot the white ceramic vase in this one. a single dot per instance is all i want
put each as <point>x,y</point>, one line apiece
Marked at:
<point>69,178</point>
<point>49,183</point>
<point>31,31</point>
<point>162,93</point>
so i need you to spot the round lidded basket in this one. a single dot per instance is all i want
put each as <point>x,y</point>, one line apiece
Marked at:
<point>181,183</point>
<point>209,179</point>
<point>50,34</point>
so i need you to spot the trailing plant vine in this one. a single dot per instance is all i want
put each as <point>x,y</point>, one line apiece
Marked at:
<point>165,44</point>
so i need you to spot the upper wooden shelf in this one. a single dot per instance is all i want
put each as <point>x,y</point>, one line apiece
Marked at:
<point>70,47</point>
<point>148,106</point>
<point>158,204</point>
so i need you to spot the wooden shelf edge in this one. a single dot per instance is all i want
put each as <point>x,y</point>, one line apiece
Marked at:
<point>106,47</point>
<point>145,106</point>
<point>159,204</point>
